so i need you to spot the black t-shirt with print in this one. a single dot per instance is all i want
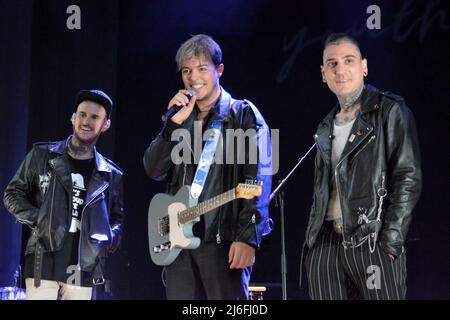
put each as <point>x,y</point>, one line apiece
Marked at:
<point>61,265</point>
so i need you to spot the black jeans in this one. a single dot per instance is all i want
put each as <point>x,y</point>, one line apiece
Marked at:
<point>204,273</point>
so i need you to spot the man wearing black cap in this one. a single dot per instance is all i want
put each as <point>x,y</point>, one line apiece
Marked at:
<point>71,198</point>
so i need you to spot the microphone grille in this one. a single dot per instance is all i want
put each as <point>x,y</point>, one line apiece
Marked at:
<point>191,93</point>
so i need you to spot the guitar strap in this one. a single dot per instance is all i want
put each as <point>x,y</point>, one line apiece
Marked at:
<point>225,103</point>
<point>206,159</point>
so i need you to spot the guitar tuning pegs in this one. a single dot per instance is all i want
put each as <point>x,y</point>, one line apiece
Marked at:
<point>253,182</point>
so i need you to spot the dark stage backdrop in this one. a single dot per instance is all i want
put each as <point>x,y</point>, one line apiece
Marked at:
<point>272,53</point>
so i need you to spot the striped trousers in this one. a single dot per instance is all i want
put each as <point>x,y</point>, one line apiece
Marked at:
<point>336,273</point>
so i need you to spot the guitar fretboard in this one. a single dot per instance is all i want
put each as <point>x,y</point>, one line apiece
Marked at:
<point>191,214</point>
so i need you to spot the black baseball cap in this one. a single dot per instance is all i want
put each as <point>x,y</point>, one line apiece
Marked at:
<point>97,96</point>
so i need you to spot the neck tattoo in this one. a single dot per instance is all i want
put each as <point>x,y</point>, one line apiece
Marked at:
<point>80,151</point>
<point>348,102</point>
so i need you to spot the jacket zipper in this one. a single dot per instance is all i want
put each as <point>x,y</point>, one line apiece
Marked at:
<point>252,220</point>
<point>51,217</point>
<point>27,222</point>
<point>51,210</point>
<point>81,222</point>
<point>370,140</point>
<point>218,240</point>
<point>340,198</point>
<point>337,182</point>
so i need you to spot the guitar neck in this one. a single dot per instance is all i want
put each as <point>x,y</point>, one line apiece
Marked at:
<point>193,213</point>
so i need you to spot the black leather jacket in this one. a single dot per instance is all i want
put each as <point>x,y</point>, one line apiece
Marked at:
<point>382,145</point>
<point>40,193</point>
<point>239,220</point>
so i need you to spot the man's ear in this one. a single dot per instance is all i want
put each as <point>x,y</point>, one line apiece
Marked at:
<point>106,125</point>
<point>365,67</point>
<point>220,68</point>
<point>72,118</point>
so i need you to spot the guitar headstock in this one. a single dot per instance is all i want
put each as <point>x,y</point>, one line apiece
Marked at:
<point>248,190</point>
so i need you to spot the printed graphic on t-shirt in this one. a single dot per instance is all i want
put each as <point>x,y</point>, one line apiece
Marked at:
<point>44,181</point>
<point>79,194</point>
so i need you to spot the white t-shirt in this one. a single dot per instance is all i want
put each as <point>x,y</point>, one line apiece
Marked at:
<point>340,134</point>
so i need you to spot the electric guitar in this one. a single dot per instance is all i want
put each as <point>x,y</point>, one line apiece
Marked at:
<point>171,218</point>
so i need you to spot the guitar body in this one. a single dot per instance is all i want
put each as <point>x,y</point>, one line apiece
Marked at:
<point>167,237</point>
<point>171,218</point>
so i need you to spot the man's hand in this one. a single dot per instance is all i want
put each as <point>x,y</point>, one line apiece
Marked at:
<point>392,257</point>
<point>241,255</point>
<point>181,99</point>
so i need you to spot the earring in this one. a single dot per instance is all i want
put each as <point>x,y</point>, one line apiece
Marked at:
<point>365,73</point>
<point>324,80</point>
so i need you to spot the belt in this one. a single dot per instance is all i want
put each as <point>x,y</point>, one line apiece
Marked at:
<point>38,259</point>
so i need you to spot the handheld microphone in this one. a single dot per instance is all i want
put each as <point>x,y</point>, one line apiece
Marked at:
<point>174,109</point>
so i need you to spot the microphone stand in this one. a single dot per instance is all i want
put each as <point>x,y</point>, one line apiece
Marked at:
<point>280,203</point>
